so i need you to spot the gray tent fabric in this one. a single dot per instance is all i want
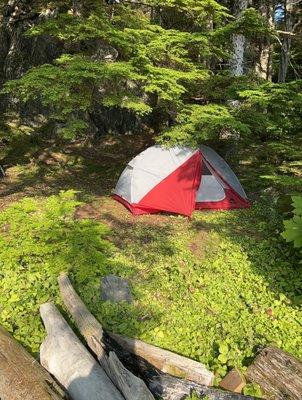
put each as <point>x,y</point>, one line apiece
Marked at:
<point>223,169</point>
<point>209,189</point>
<point>148,169</point>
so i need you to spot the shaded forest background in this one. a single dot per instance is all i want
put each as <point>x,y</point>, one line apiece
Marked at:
<point>187,71</point>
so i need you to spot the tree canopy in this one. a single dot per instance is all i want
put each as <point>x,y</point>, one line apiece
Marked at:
<point>168,61</point>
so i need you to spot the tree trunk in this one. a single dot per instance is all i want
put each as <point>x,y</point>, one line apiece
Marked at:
<point>65,357</point>
<point>237,62</point>
<point>77,8</point>
<point>278,374</point>
<point>286,40</point>
<point>263,65</point>
<point>21,376</point>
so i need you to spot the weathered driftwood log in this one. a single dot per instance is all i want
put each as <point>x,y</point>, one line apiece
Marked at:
<point>165,386</point>
<point>21,376</point>
<point>166,361</point>
<point>171,388</point>
<point>65,357</point>
<point>277,373</point>
<point>91,329</point>
<point>132,387</point>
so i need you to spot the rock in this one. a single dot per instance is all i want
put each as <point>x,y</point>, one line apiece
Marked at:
<point>231,153</point>
<point>112,120</point>
<point>115,289</point>
<point>234,103</point>
<point>233,381</point>
<point>284,204</point>
<point>18,53</point>
<point>50,157</point>
<point>104,52</point>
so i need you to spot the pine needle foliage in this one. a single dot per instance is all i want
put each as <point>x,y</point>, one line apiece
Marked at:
<point>153,68</point>
<point>263,111</point>
<point>157,64</point>
<point>197,124</point>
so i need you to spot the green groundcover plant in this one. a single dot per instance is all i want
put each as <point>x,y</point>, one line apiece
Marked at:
<point>293,226</point>
<point>219,306</point>
<point>40,238</point>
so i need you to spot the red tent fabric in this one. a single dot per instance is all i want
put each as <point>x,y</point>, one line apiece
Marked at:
<point>179,180</point>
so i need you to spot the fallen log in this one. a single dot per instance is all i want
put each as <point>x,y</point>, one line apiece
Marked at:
<point>171,388</point>
<point>161,384</point>
<point>65,357</point>
<point>91,329</point>
<point>21,376</point>
<point>277,373</point>
<point>167,361</point>
<point>132,387</point>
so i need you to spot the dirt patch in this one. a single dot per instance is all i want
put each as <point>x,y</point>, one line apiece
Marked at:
<point>197,244</point>
<point>87,211</point>
<point>39,166</point>
<point>92,169</point>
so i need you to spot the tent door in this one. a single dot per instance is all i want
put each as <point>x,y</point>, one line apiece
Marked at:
<point>210,188</point>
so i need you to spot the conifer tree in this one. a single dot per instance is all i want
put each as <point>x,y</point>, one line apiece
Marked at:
<point>169,62</point>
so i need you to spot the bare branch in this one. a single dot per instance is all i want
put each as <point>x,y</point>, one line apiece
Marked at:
<point>290,35</point>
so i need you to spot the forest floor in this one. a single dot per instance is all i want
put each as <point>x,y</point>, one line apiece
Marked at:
<point>213,287</point>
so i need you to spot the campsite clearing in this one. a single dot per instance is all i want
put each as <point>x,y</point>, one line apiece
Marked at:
<point>214,287</point>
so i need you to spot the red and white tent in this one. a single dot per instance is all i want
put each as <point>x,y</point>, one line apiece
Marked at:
<point>179,180</point>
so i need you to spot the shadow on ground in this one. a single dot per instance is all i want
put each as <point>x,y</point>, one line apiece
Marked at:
<point>256,233</point>
<point>37,166</point>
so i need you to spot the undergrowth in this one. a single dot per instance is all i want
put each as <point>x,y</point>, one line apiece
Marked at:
<point>39,238</point>
<point>215,287</point>
<point>242,290</point>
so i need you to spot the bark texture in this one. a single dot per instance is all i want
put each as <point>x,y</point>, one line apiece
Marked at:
<point>286,41</point>
<point>162,385</point>
<point>278,373</point>
<point>21,376</point>
<point>170,388</point>
<point>132,387</point>
<point>237,62</point>
<point>167,361</point>
<point>164,360</point>
<point>264,49</point>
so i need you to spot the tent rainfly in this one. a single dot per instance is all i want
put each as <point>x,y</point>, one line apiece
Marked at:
<point>179,180</point>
